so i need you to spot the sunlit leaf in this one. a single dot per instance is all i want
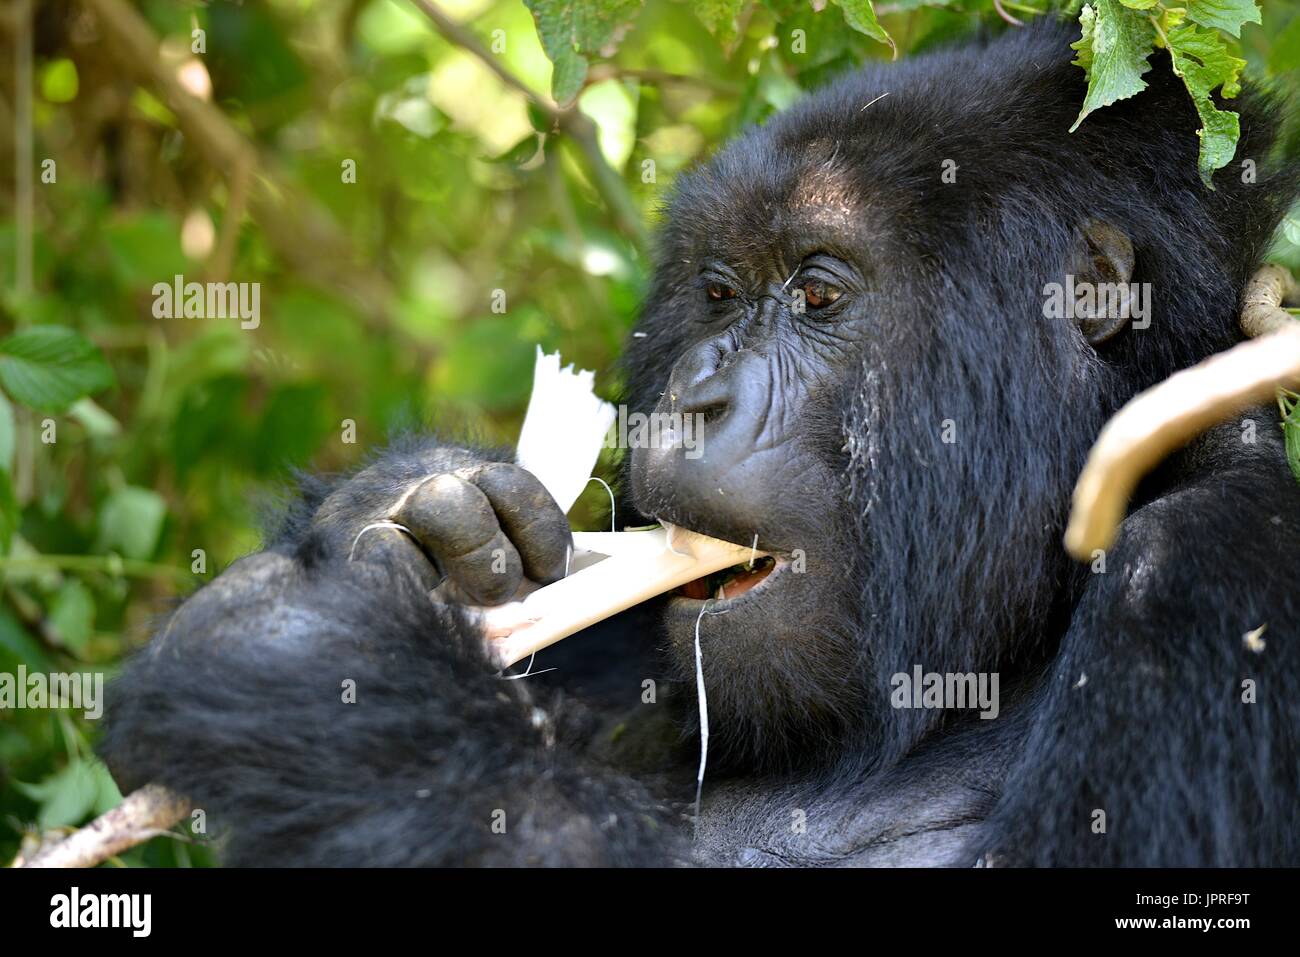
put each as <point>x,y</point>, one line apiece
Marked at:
<point>720,18</point>
<point>1227,15</point>
<point>574,30</point>
<point>1113,53</point>
<point>861,16</point>
<point>1201,58</point>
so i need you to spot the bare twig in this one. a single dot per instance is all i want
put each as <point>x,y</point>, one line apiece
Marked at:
<point>1165,417</point>
<point>142,815</point>
<point>237,186</point>
<point>1262,310</point>
<point>612,71</point>
<point>997,5</point>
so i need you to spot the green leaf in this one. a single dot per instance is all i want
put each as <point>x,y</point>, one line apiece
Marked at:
<point>72,613</point>
<point>1113,52</point>
<point>1291,230</point>
<point>568,77</point>
<point>18,645</point>
<point>777,89</point>
<point>573,30</point>
<point>66,797</point>
<point>130,521</point>
<point>94,419</point>
<point>861,16</point>
<point>293,423</point>
<point>1291,433</point>
<point>1201,58</point>
<point>720,17</point>
<point>107,795</point>
<point>10,513</point>
<point>1139,4</point>
<point>1219,134</point>
<point>8,435</point>
<point>143,248</point>
<point>51,367</point>
<point>1226,15</point>
<point>522,152</point>
<point>409,107</point>
<point>59,81</point>
<point>539,120</point>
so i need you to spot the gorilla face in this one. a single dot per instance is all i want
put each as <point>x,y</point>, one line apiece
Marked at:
<point>885,408</point>
<point>763,303</point>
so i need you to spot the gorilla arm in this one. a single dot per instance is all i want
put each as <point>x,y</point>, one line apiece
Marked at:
<point>325,712</point>
<point>1156,740</point>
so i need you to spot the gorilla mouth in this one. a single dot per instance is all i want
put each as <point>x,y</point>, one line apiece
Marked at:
<point>730,583</point>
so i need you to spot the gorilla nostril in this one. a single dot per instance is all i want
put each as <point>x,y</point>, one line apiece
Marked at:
<point>710,412</point>
<point>708,400</point>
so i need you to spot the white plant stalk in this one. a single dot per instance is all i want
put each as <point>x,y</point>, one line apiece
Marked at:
<point>615,570</point>
<point>564,428</point>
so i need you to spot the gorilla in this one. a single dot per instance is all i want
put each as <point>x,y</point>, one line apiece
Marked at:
<point>853,297</point>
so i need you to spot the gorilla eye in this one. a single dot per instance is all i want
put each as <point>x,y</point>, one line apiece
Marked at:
<point>718,291</point>
<point>818,293</point>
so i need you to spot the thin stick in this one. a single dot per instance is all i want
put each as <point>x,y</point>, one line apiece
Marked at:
<point>1167,416</point>
<point>143,814</point>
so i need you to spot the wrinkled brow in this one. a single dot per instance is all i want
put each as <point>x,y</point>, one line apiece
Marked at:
<point>825,196</point>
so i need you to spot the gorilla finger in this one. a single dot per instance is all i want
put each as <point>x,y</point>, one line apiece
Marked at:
<point>384,544</point>
<point>455,523</point>
<point>530,516</point>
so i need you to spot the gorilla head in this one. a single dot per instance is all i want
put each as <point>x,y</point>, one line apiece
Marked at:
<point>855,301</point>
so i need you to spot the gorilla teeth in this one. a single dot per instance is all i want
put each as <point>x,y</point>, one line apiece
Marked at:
<point>730,582</point>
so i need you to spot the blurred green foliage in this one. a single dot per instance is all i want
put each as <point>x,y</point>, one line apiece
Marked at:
<point>134,450</point>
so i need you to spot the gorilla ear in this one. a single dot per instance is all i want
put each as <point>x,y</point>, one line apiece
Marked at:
<point>1104,258</point>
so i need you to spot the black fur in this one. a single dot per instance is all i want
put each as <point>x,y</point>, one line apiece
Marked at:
<point>239,701</point>
<point>1122,691</point>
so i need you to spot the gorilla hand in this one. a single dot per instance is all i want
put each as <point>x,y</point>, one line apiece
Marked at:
<point>480,529</point>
